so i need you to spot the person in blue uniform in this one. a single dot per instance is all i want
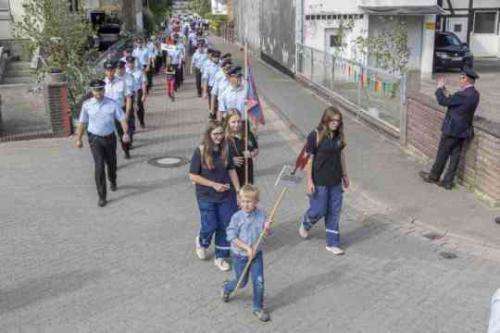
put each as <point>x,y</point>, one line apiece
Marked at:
<point>197,61</point>
<point>210,69</point>
<point>99,113</point>
<point>176,58</point>
<point>130,84</point>
<point>235,95</point>
<point>456,127</point>
<point>139,88</point>
<point>117,90</point>
<point>220,84</point>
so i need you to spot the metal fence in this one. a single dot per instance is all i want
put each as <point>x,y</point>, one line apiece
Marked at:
<point>377,93</point>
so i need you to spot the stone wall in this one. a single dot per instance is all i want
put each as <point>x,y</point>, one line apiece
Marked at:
<point>247,22</point>
<point>480,163</point>
<point>269,29</point>
<point>277,28</point>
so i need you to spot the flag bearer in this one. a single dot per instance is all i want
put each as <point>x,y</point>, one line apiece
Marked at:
<point>235,96</point>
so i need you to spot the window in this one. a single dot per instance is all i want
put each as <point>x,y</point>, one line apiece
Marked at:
<point>4,10</point>
<point>457,28</point>
<point>485,22</point>
<point>4,5</point>
<point>447,40</point>
<point>335,40</point>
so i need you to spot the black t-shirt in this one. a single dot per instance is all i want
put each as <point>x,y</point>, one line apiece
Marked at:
<point>218,174</point>
<point>327,168</point>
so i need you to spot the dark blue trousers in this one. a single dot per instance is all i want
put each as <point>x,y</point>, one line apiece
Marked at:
<point>215,217</point>
<point>325,202</point>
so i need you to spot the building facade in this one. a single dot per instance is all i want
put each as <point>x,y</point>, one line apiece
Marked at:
<point>219,7</point>
<point>324,26</point>
<point>475,23</point>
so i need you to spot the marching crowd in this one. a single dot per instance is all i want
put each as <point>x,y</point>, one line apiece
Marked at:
<point>222,166</point>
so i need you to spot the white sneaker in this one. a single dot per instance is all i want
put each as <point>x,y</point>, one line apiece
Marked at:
<point>335,250</point>
<point>201,252</point>
<point>302,231</point>
<point>222,264</point>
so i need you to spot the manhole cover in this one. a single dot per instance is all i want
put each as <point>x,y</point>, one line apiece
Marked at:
<point>433,236</point>
<point>167,161</point>
<point>447,255</point>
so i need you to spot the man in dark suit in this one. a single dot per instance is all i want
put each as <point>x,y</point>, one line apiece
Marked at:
<point>456,128</point>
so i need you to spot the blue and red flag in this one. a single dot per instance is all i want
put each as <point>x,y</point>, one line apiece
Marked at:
<point>253,103</point>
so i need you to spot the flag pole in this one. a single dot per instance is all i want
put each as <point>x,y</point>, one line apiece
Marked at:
<point>246,115</point>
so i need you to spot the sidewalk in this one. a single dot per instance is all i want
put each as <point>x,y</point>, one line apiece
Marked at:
<point>70,266</point>
<point>380,171</point>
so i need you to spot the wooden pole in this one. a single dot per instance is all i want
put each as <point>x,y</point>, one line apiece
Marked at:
<point>259,240</point>
<point>246,115</point>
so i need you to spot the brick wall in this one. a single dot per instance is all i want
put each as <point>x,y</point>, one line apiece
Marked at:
<point>480,163</point>
<point>57,105</point>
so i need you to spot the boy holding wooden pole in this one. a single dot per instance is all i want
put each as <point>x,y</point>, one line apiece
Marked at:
<point>243,233</point>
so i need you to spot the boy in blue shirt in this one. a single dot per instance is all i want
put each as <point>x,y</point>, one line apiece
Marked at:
<point>243,232</point>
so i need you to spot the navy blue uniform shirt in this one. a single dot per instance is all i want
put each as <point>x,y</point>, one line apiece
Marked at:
<point>327,166</point>
<point>461,107</point>
<point>219,174</point>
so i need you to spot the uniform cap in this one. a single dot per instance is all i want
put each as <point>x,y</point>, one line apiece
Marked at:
<point>97,84</point>
<point>235,71</point>
<point>110,64</point>
<point>469,72</point>
<point>226,62</point>
<point>130,58</point>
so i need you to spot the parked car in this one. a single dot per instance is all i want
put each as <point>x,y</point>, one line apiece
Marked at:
<point>107,35</point>
<point>450,52</point>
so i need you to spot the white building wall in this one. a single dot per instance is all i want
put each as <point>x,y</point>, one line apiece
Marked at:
<point>484,45</point>
<point>477,3</point>
<point>16,12</point>
<point>337,6</point>
<point>219,7</point>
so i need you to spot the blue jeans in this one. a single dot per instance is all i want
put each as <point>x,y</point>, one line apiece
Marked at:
<point>215,217</point>
<point>257,273</point>
<point>325,202</point>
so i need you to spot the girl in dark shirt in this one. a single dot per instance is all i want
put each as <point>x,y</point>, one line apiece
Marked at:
<point>326,173</point>
<point>235,135</point>
<point>212,171</point>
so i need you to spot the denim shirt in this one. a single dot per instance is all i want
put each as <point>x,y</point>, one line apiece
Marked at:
<point>246,227</point>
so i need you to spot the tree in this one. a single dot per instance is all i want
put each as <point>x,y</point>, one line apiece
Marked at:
<point>62,39</point>
<point>201,7</point>
<point>389,49</point>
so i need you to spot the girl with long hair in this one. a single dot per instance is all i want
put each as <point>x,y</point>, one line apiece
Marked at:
<point>212,171</point>
<point>236,139</point>
<point>326,177</point>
